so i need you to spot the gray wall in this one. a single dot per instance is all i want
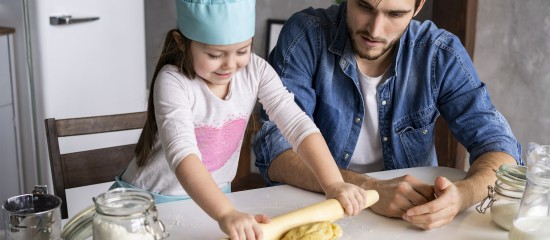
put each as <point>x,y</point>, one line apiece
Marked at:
<point>511,57</point>
<point>160,16</point>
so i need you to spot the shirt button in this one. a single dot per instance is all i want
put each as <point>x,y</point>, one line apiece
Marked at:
<point>425,131</point>
<point>385,139</point>
<point>346,156</point>
<point>357,120</point>
<point>383,102</point>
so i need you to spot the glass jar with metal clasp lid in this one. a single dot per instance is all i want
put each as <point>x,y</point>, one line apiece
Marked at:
<point>121,214</point>
<point>503,199</point>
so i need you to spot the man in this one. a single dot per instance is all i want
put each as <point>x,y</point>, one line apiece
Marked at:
<point>374,82</point>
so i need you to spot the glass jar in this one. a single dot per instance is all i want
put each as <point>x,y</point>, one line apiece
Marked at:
<point>504,198</point>
<point>120,214</point>
<point>533,219</point>
<point>126,214</point>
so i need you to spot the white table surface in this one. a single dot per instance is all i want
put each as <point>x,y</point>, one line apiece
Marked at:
<point>185,220</point>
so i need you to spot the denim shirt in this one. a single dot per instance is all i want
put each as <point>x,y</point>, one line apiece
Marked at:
<point>431,76</point>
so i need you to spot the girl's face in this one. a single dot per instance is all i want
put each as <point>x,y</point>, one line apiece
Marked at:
<point>217,64</point>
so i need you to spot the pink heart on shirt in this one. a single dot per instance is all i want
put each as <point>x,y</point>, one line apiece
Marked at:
<point>218,144</point>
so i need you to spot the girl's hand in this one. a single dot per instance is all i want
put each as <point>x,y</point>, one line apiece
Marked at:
<point>352,197</point>
<point>242,226</point>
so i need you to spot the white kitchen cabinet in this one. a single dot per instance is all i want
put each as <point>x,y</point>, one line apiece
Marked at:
<point>10,172</point>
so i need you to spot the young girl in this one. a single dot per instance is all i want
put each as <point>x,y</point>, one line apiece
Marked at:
<point>204,89</point>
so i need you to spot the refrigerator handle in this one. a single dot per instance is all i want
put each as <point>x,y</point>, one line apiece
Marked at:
<point>68,19</point>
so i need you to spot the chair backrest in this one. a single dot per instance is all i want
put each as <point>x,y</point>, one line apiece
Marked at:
<point>89,167</point>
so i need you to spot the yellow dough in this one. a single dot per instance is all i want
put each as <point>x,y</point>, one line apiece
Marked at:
<point>328,210</point>
<point>314,231</point>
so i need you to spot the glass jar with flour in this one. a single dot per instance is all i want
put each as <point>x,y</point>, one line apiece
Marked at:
<point>122,214</point>
<point>504,198</point>
<point>126,214</point>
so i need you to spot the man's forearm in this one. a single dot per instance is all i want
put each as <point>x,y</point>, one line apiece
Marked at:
<point>290,169</point>
<point>480,175</point>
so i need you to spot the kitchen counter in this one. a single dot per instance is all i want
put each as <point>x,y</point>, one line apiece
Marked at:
<point>185,220</point>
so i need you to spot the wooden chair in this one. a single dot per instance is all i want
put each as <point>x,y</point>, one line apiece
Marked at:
<point>89,167</point>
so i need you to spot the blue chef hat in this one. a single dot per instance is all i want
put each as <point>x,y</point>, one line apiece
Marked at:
<point>217,22</point>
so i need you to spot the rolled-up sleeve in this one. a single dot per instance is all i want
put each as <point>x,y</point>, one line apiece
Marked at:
<point>465,104</point>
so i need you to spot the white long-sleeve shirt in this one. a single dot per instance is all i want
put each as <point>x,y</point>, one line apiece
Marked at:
<point>192,120</point>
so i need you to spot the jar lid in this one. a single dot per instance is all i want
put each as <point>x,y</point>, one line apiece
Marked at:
<point>123,202</point>
<point>512,175</point>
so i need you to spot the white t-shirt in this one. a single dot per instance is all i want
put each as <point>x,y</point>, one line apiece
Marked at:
<point>191,119</point>
<point>367,156</point>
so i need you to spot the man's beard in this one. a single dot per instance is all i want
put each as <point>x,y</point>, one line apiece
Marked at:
<point>365,55</point>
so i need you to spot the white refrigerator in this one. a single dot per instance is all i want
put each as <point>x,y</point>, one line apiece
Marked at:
<point>81,58</point>
<point>91,63</point>
<point>88,58</point>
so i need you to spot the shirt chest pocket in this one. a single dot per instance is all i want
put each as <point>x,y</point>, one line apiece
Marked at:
<point>416,133</point>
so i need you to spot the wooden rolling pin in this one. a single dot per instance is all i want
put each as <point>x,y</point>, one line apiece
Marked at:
<point>328,210</point>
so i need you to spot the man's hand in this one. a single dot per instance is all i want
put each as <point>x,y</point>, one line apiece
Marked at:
<point>400,194</point>
<point>440,211</point>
